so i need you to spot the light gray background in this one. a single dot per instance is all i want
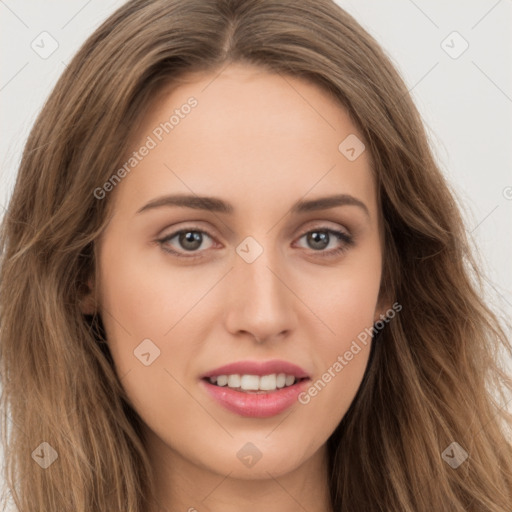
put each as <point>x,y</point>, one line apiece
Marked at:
<point>466,102</point>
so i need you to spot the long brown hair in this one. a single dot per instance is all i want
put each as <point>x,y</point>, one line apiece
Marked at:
<point>434,377</point>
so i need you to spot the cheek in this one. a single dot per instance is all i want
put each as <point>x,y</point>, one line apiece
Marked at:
<point>142,295</point>
<point>342,359</point>
<point>348,309</point>
<point>347,301</point>
<point>132,306</point>
<point>144,309</point>
<point>330,394</point>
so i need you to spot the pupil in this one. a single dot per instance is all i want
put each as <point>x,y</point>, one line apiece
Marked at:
<point>320,239</point>
<point>191,239</point>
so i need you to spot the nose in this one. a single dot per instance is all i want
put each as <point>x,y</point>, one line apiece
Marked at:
<point>260,300</point>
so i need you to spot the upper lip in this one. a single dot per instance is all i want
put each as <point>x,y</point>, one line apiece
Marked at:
<point>258,368</point>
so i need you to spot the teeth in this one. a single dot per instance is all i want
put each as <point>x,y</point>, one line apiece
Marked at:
<point>268,382</point>
<point>254,382</point>
<point>249,382</point>
<point>290,379</point>
<point>222,380</point>
<point>234,381</point>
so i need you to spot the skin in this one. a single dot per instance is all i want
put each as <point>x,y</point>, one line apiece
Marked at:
<point>261,142</point>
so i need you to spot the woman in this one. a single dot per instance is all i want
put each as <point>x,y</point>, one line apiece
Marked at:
<point>320,344</point>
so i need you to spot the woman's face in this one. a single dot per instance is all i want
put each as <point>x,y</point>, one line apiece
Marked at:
<point>262,282</point>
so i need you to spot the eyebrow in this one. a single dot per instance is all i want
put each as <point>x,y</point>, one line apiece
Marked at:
<point>214,204</point>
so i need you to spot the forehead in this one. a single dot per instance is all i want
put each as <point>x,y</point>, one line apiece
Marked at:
<point>250,132</point>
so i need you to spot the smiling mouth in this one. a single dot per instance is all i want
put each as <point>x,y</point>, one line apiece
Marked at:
<point>255,384</point>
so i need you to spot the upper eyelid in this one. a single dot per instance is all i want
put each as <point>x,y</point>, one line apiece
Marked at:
<point>311,225</point>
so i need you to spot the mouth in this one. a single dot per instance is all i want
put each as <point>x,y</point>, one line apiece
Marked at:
<point>256,389</point>
<point>255,384</point>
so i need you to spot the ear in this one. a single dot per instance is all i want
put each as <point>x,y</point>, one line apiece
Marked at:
<point>88,304</point>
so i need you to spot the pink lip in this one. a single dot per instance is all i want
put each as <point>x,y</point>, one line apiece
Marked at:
<point>261,404</point>
<point>256,405</point>
<point>258,368</point>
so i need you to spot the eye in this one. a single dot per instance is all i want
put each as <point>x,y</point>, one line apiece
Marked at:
<point>320,238</point>
<point>191,239</point>
<point>188,240</point>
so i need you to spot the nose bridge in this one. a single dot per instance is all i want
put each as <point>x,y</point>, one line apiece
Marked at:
<point>260,301</point>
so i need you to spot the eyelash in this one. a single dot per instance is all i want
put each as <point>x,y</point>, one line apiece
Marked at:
<point>348,241</point>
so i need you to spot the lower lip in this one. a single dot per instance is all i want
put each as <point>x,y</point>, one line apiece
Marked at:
<point>256,405</point>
